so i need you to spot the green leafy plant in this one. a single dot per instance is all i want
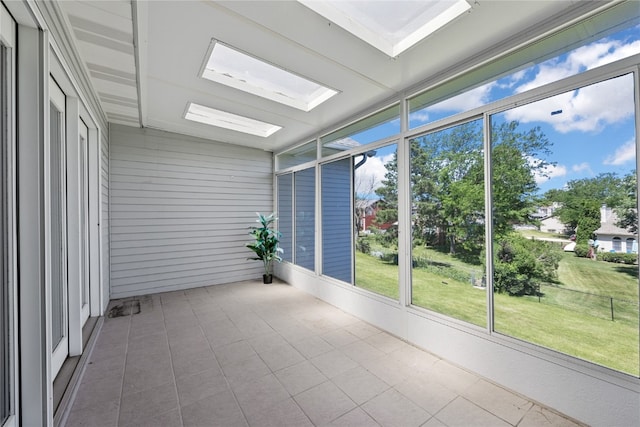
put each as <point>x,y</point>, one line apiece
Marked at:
<point>265,243</point>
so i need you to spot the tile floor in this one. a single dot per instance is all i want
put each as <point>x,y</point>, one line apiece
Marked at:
<point>270,355</point>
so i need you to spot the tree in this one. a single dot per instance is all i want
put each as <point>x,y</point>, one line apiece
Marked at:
<point>447,181</point>
<point>627,209</point>
<point>581,200</point>
<point>520,264</point>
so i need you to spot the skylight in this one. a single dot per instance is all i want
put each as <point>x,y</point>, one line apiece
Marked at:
<point>213,117</point>
<point>390,26</point>
<point>239,70</point>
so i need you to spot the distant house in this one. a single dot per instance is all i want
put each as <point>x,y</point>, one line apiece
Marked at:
<point>366,210</point>
<point>552,224</point>
<point>548,222</point>
<point>612,238</point>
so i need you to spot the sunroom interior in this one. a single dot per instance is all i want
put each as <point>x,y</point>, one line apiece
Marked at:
<point>411,151</point>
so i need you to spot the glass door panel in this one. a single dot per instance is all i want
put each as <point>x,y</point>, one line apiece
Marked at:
<point>83,188</point>
<point>59,301</point>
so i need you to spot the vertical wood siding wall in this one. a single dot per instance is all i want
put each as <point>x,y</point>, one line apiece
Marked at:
<point>180,210</point>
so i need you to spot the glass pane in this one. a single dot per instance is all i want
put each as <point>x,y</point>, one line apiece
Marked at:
<point>5,306</point>
<point>57,189</point>
<point>437,103</point>
<point>565,232</point>
<point>84,220</point>
<point>336,220</point>
<point>448,236</point>
<point>378,126</point>
<point>376,214</point>
<point>297,156</point>
<point>305,223</point>
<point>285,215</point>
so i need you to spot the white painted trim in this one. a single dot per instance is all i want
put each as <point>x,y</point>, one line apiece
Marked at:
<point>95,291</point>
<point>61,350</point>
<point>83,199</point>
<point>8,39</point>
<point>33,97</point>
<point>74,279</point>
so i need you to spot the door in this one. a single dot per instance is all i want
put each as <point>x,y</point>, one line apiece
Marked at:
<point>83,189</point>
<point>58,230</point>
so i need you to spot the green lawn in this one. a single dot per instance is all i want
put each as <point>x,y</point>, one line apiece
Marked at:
<point>543,235</point>
<point>570,322</point>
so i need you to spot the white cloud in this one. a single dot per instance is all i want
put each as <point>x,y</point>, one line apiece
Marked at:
<point>588,109</point>
<point>582,167</point>
<point>370,175</point>
<point>623,154</point>
<point>513,79</point>
<point>581,59</point>
<point>420,116</point>
<point>465,101</point>
<point>549,172</point>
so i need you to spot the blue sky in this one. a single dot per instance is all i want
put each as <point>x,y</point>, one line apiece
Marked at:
<point>592,130</point>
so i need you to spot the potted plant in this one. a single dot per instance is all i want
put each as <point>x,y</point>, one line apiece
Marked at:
<point>265,244</point>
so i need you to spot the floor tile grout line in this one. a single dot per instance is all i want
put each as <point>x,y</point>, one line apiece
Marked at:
<point>124,370</point>
<point>224,375</point>
<point>173,373</point>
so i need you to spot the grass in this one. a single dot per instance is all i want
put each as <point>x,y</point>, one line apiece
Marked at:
<point>566,321</point>
<point>542,234</point>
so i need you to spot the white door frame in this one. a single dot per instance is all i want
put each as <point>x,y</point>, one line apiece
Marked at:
<point>61,350</point>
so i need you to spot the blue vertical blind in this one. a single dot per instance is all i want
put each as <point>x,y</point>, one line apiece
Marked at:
<point>336,220</point>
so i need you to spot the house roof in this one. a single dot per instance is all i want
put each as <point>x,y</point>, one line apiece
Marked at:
<point>609,228</point>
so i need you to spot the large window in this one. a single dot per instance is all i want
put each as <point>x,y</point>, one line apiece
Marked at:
<point>380,125</point>
<point>572,290</point>
<point>296,156</point>
<point>521,199</point>
<point>447,196</point>
<point>296,217</point>
<point>375,193</point>
<point>456,96</point>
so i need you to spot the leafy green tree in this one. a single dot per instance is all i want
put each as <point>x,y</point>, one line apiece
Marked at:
<point>447,182</point>
<point>388,192</point>
<point>517,157</point>
<point>581,200</point>
<point>520,264</point>
<point>627,208</point>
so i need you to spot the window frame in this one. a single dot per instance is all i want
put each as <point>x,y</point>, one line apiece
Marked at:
<point>8,252</point>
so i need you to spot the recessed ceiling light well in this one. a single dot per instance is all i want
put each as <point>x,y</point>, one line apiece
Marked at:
<point>239,70</point>
<point>210,116</point>
<point>389,26</point>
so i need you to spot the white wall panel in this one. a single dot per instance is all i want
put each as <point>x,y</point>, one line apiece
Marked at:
<point>180,210</point>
